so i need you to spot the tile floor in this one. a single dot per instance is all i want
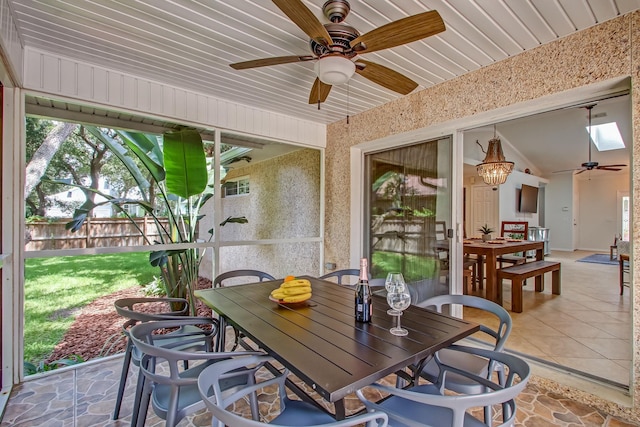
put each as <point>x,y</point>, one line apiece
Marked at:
<point>85,397</point>
<point>586,328</point>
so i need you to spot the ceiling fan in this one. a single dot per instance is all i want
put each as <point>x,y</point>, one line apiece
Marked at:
<point>591,165</point>
<point>336,45</point>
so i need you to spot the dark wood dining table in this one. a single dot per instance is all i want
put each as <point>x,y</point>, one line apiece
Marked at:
<point>489,252</point>
<point>321,343</point>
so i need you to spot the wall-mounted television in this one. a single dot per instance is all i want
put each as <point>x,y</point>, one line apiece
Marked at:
<point>528,199</point>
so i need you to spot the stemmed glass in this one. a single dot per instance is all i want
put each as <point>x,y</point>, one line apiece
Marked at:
<point>399,299</point>
<point>393,280</point>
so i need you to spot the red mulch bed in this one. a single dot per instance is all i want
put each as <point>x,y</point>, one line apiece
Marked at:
<point>97,330</point>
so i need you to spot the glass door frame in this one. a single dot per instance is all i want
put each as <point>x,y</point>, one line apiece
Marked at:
<point>357,199</point>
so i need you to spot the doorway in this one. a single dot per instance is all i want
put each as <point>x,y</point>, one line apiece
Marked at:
<point>407,197</point>
<point>589,324</point>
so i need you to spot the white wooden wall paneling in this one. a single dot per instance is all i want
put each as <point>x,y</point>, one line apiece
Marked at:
<point>48,73</point>
<point>10,45</point>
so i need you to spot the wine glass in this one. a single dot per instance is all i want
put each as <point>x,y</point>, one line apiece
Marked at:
<point>393,279</point>
<point>399,299</point>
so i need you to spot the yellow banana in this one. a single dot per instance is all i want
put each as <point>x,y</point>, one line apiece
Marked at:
<point>298,290</point>
<point>295,283</point>
<point>278,294</point>
<point>297,298</point>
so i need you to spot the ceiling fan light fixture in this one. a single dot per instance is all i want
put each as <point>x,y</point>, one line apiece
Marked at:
<point>335,70</point>
<point>494,169</point>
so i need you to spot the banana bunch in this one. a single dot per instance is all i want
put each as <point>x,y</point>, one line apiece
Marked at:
<point>292,290</point>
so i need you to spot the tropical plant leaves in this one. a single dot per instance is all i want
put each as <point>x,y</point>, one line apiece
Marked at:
<point>185,163</point>
<point>237,220</point>
<point>121,153</point>
<point>148,150</point>
<point>160,258</point>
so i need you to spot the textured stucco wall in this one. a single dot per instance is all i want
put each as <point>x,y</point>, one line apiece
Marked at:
<point>283,203</point>
<point>594,55</point>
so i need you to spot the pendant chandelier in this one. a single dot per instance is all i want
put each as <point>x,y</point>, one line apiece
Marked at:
<point>494,169</point>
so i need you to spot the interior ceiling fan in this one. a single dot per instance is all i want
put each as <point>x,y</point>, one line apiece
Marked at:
<point>591,165</point>
<point>336,46</point>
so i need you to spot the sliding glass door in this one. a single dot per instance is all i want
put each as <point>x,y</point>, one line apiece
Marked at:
<point>408,214</point>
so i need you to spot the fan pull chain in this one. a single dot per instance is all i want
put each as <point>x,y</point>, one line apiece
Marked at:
<point>348,85</point>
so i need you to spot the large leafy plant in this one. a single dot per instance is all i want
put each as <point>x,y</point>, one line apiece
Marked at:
<point>178,175</point>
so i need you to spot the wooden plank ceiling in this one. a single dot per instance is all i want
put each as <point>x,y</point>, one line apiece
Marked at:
<point>191,43</point>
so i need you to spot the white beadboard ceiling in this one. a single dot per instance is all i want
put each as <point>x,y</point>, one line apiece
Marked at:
<point>190,44</point>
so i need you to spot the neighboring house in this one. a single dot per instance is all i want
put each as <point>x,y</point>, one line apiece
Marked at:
<point>65,202</point>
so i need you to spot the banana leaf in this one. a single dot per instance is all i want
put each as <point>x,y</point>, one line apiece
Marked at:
<point>148,150</point>
<point>185,163</point>
<point>121,153</point>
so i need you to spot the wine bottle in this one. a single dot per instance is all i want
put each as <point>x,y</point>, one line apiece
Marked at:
<point>363,306</point>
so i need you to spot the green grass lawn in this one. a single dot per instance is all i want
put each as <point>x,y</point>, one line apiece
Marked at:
<point>413,267</point>
<point>56,287</point>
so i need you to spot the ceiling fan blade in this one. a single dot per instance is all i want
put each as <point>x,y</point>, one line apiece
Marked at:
<point>270,61</point>
<point>305,20</point>
<point>319,92</point>
<point>402,31</point>
<point>566,170</point>
<point>608,168</point>
<point>385,77</point>
<point>581,170</point>
<point>613,166</point>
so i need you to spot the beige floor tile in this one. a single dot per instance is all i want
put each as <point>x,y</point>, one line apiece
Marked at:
<point>589,309</point>
<point>521,344</point>
<point>605,306</point>
<point>624,363</point>
<point>599,367</point>
<point>594,317</point>
<point>563,346</point>
<point>622,331</point>
<point>610,348</point>
<point>581,330</point>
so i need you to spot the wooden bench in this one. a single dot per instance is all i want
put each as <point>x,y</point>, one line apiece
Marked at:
<point>519,273</point>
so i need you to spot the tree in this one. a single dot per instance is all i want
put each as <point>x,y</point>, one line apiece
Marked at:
<point>82,159</point>
<point>39,163</point>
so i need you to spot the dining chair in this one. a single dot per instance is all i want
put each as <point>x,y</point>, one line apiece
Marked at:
<point>428,405</point>
<point>137,310</point>
<point>172,390</point>
<point>623,265</point>
<point>291,412</point>
<point>340,274</point>
<point>469,362</point>
<point>513,230</point>
<point>237,277</point>
<point>470,263</point>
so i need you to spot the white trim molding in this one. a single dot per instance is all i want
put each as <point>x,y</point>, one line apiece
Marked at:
<point>84,82</point>
<point>11,47</point>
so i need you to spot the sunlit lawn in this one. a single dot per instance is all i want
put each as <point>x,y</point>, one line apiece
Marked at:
<point>55,288</point>
<point>414,267</point>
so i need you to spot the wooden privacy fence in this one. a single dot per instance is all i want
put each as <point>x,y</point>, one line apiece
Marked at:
<point>95,233</point>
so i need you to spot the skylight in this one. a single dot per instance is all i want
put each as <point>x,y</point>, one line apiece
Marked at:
<point>606,136</point>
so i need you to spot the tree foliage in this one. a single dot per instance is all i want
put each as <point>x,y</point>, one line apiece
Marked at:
<point>81,159</point>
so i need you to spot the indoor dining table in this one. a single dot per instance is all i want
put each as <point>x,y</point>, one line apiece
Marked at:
<point>489,252</point>
<point>320,341</point>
